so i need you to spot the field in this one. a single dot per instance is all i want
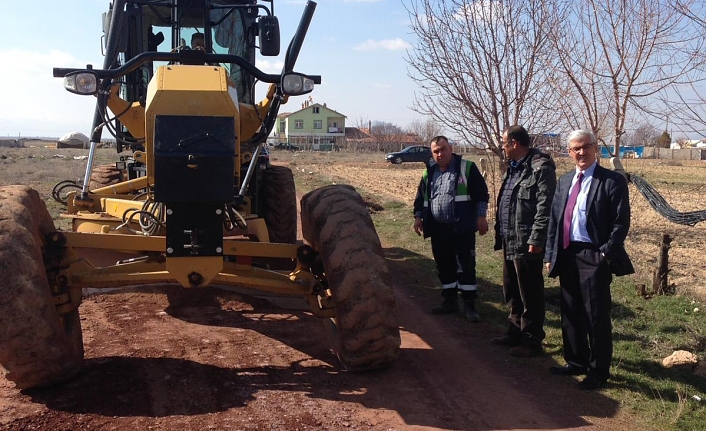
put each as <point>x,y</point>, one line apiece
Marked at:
<point>140,346</point>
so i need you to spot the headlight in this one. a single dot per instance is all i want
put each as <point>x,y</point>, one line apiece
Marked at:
<point>296,84</point>
<point>85,83</point>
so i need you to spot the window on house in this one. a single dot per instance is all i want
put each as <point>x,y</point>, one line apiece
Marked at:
<point>282,125</point>
<point>317,124</point>
<point>299,124</point>
<point>315,110</point>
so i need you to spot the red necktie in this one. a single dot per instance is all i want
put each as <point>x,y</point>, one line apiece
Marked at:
<point>569,210</point>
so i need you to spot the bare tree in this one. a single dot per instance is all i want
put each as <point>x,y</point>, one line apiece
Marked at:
<point>426,130</point>
<point>482,66</point>
<point>645,134</point>
<point>683,141</point>
<point>358,136</point>
<point>386,136</point>
<point>687,106</point>
<point>620,55</point>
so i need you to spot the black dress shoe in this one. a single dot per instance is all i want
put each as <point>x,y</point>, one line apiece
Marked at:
<point>591,383</point>
<point>567,370</point>
<point>526,351</point>
<point>507,340</point>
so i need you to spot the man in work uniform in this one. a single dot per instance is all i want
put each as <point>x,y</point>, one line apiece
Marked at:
<point>451,205</point>
<point>524,204</point>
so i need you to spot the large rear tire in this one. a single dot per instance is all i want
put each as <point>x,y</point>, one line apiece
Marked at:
<point>336,223</point>
<point>37,346</point>
<point>280,204</point>
<point>105,175</point>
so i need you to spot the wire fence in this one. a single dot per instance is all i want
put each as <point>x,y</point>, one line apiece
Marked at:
<point>659,204</point>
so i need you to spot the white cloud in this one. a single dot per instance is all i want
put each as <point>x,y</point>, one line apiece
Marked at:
<point>362,1</point>
<point>382,86</point>
<point>387,44</point>
<point>270,66</point>
<point>482,10</point>
<point>29,61</point>
<point>39,102</point>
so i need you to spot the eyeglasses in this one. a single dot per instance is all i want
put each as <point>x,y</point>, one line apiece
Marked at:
<point>581,148</point>
<point>505,143</point>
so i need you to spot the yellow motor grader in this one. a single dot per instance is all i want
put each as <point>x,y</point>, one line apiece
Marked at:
<point>195,203</point>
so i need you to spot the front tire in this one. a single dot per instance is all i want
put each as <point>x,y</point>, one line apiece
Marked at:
<point>336,223</point>
<point>280,204</point>
<point>398,160</point>
<point>39,347</point>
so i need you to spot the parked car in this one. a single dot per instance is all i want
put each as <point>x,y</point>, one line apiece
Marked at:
<point>286,146</point>
<point>264,158</point>
<point>416,153</point>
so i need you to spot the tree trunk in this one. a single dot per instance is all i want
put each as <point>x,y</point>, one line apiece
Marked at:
<point>659,279</point>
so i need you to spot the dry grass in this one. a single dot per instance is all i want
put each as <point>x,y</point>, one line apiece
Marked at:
<point>41,168</point>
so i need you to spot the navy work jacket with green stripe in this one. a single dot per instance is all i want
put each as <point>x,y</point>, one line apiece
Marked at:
<point>470,189</point>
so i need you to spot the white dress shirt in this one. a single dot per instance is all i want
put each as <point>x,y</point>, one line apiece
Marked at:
<point>579,232</point>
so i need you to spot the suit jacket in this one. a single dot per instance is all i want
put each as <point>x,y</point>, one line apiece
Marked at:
<point>607,218</point>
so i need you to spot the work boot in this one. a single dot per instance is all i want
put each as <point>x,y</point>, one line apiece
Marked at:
<point>469,311</point>
<point>449,306</point>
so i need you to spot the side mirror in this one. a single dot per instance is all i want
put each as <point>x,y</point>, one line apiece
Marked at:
<point>83,82</point>
<point>296,84</point>
<point>268,31</point>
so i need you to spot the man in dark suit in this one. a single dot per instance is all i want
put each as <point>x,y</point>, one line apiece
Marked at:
<point>589,221</point>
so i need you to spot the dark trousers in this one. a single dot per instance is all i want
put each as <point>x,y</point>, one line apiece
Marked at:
<point>523,290</point>
<point>585,308</point>
<point>455,257</point>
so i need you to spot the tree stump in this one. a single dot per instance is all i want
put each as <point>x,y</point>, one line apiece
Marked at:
<point>659,279</point>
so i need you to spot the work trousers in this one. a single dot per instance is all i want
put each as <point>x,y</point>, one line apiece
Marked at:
<point>455,257</point>
<point>585,279</point>
<point>523,291</point>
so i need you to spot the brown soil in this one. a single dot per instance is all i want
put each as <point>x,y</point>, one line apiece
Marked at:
<point>166,358</point>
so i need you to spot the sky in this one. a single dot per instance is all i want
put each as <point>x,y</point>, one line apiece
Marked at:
<point>357,46</point>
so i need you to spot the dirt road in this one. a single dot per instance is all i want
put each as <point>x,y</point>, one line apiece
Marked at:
<point>170,359</point>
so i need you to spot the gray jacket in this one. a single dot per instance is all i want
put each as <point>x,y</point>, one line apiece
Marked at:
<point>530,206</point>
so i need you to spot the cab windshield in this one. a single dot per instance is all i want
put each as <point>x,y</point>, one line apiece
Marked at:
<point>218,27</point>
<point>226,37</point>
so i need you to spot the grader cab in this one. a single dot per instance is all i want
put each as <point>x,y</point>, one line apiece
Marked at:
<point>192,202</point>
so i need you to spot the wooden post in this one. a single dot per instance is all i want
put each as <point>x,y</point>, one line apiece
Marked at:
<point>659,279</point>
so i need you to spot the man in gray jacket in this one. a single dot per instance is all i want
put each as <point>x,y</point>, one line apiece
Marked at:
<point>521,224</point>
